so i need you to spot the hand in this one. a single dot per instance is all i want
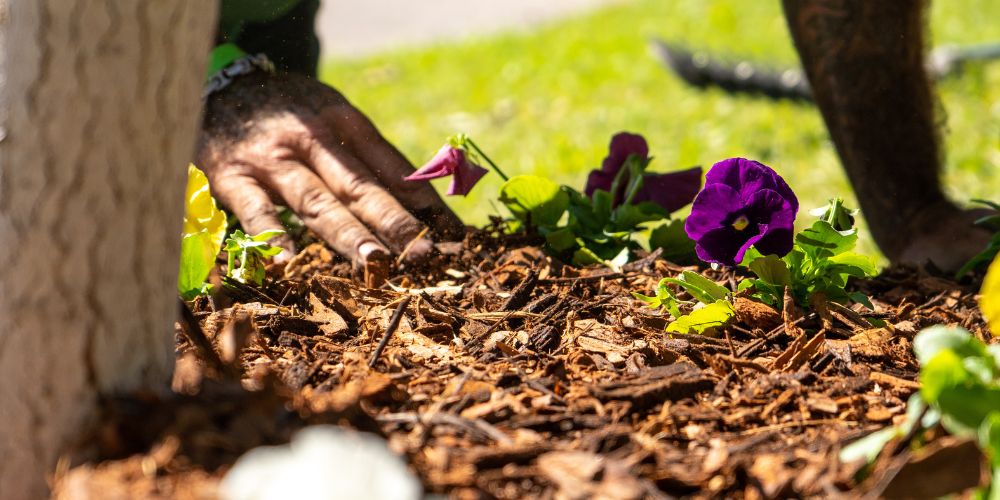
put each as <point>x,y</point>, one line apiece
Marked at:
<point>291,140</point>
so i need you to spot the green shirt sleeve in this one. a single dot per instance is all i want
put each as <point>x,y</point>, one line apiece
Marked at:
<point>282,29</point>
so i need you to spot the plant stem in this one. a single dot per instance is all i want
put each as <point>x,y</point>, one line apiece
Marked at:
<point>488,160</point>
<point>834,208</point>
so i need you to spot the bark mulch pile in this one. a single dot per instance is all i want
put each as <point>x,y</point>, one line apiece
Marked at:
<point>509,375</point>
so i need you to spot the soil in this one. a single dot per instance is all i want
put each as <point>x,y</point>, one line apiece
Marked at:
<point>510,375</point>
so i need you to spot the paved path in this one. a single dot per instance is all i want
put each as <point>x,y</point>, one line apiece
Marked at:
<point>352,28</point>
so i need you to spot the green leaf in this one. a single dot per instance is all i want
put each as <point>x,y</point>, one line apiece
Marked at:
<point>706,319</point>
<point>626,217</point>
<point>862,299</point>
<point>836,214</point>
<point>989,438</point>
<point>870,446</point>
<point>251,251</point>
<point>266,235</point>
<point>958,375</point>
<point>749,256</point>
<point>621,259</point>
<point>204,229</point>
<point>934,340</point>
<point>664,297</point>
<point>580,207</point>
<point>542,198</point>
<point>562,239</point>
<point>772,270</point>
<point>584,256</point>
<point>651,208</point>
<point>602,203</point>
<point>668,235</point>
<point>196,262</point>
<point>700,287</point>
<point>988,203</point>
<point>653,302</point>
<point>866,265</point>
<point>984,257</point>
<point>822,240</point>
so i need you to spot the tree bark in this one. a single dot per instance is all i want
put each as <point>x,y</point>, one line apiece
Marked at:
<point>99,104</point>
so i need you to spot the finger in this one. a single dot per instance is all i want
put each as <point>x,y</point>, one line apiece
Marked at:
<point>360,138</point>
<point>310,198</point>
<point>355,186</point>
<point>255,210</point>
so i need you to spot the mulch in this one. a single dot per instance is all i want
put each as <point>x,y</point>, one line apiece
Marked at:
<point>507,374</point>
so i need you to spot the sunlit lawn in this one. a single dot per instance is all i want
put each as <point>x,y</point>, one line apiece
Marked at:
<point>547,101</point>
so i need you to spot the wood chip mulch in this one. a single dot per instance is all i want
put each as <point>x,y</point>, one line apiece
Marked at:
<point>509,375</point>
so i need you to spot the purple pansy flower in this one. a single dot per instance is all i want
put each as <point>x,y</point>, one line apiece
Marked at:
<point>744,203</point>
<point>671,191</point>
<point>451,161</point>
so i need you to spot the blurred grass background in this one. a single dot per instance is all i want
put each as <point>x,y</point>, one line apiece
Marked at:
<point>548,101</point>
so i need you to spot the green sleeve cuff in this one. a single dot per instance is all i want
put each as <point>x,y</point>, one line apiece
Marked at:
<point>223,56</point>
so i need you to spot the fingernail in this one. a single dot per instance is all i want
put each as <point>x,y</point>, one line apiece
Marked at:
<point>368,248</point>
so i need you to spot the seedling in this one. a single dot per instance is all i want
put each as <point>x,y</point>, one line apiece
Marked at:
<point>252,250</point>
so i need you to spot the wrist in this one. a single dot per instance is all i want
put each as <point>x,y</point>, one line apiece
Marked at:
<point>222,56</point>
<point>227,62</point>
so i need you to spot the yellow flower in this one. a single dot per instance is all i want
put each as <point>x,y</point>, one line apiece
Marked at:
<point>200,212</point>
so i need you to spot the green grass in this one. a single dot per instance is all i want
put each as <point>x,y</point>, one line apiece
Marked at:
<point>547,101</point>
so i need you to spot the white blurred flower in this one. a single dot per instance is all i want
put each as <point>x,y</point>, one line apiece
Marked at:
<point>322,463</point>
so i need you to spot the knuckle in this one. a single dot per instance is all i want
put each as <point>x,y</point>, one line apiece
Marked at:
<point>315,202</point>
<point>257,213</point>
<point>356,188</point>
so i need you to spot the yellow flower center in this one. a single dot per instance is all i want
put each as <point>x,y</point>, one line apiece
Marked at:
<point>741,223</point>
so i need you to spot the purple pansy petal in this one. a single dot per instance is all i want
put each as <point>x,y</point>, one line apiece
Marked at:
<point>725,172</point>
<point>769,208</point>
<point>736,188</point>
<point>777,241</point>
<point>445,163</point>
<point>754,177</point>
<point>466,176</point>
<point>786,192</point>
<point>622,145</point>
<point>753,240</point>
<point>725,245</point>
<point>599,179</point>
<point>716,244</point>
<point>748,177</point>
<point>672,191</point>
<point>710,210</point>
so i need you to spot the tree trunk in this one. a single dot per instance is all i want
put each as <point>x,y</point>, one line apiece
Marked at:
<point>99,104</point>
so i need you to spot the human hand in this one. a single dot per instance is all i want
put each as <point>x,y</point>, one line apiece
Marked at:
<point>288,139</point>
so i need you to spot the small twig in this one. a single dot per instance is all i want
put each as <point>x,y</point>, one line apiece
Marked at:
<point>283,299</point>
<point>409,245</point>
<point>191,328</point>
<point>393,325</point>
<point>571,341</point>
<point>536,385</point>
<point>483,336</point>
<point>477,427</point>
<point>729,339</point>
<point>802,423</point>
<point>422,429</point>
<point>743,363</point>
